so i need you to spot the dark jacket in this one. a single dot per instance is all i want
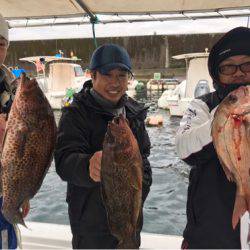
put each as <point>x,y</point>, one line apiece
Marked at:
<point>7,91</point>
<point>211,196</point>
<point>81,133</point>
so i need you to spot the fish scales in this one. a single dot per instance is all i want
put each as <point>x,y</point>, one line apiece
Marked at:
<point>27,148</point>
<point>121,179</point>
<point>3,118</point>
<point>231,138</point>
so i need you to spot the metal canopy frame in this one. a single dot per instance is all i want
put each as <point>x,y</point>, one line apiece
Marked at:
<point>80,9</point>
<point>116,18</point>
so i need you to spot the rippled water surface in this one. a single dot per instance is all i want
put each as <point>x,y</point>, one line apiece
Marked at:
<point>164,210</point>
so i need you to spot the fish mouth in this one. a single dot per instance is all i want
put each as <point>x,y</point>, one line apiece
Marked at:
<point>109,135</point>
<point>114,129</point>
<point>116,120</point>
<point>119,120</point>
<point>27,83</point>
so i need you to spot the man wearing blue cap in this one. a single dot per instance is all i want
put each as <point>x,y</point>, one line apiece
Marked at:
<point>211,196</point>
<point>79,145</point>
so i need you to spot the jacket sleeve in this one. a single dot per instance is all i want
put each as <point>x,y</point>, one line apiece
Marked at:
<point>72,151</point>
<point>193,139</point>
<point>147,172</point>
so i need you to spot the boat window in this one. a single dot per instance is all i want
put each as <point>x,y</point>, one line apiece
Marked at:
<point>78,71</point>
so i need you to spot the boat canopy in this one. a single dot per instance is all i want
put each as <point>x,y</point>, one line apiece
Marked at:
<point>34,59</point>
<point>120,10</point>
<point>191,55</point>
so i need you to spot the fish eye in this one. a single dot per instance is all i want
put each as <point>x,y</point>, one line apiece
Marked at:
<point>232,98</point>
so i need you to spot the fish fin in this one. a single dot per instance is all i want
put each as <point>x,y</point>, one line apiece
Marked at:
<point>135,187</point>
<point>240,207</point>
<point>21,220</point>
<point>129,243</point>
<point>228,174</point>
<point>104,199</point>
<point>4,138</point>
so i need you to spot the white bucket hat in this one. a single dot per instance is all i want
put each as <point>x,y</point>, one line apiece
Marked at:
<point>4,28</point>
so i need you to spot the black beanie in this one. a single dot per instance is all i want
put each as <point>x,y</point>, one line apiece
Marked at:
<point>235,42</point>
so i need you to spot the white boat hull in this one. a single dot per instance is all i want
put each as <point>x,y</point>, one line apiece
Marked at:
<point>55,99</point>
<point>48,236</point>
<point>178,107</point>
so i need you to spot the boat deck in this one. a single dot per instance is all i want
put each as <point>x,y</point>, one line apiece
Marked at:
<point>54,236</point>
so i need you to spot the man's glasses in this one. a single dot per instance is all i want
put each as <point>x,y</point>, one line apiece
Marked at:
<point>231,69</point>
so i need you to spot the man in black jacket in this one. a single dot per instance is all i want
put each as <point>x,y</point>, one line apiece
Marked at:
<point>79,146</point>
<point>211,196</point>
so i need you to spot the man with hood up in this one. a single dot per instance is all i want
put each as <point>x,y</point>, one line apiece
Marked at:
<point>211,196</point>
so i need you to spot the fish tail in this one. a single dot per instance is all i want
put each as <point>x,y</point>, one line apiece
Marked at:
<point>21,221</point>
<point>240,207</point>
<point>13,216</point>
<point>129,243</point>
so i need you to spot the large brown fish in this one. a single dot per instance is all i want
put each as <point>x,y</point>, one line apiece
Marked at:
<point>27,148</point>
<point>121,179</point>
<point>231,138</point>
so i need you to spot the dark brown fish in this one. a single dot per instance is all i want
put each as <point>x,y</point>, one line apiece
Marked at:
<point>121,179</point>
<point>27,148</point>
<point>231,138</point>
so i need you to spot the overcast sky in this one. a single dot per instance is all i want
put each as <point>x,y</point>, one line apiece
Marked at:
<point>128,29</point>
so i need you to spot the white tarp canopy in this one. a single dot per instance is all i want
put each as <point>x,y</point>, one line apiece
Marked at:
<point>15,9</point>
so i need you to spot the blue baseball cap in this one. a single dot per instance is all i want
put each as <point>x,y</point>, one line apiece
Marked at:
<point>108,57</point>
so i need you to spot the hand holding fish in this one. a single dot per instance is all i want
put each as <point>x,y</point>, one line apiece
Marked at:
<point>25,208</point>
<point>95,166</point>
<point>231,133</point>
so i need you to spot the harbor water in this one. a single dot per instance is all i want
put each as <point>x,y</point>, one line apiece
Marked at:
<point>165,207</point>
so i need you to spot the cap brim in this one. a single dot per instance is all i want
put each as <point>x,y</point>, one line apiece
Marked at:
<point>106,68</point>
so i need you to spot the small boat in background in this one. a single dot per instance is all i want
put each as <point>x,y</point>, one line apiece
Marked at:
<point>162,84</point>
<point>198,82</point>
<point>57,74</point>
<point>172,94</point>
<point>134,86</point>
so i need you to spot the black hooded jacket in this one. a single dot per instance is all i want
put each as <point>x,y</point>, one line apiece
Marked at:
<point>81,133</point>
<point>211,196</point>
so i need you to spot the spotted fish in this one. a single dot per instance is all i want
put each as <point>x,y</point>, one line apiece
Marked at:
<point>27,148</point>
<point>121,181</point>
<point>3,119</point>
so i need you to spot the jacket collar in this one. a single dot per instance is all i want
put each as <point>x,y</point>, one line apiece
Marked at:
<point>133,108</point>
